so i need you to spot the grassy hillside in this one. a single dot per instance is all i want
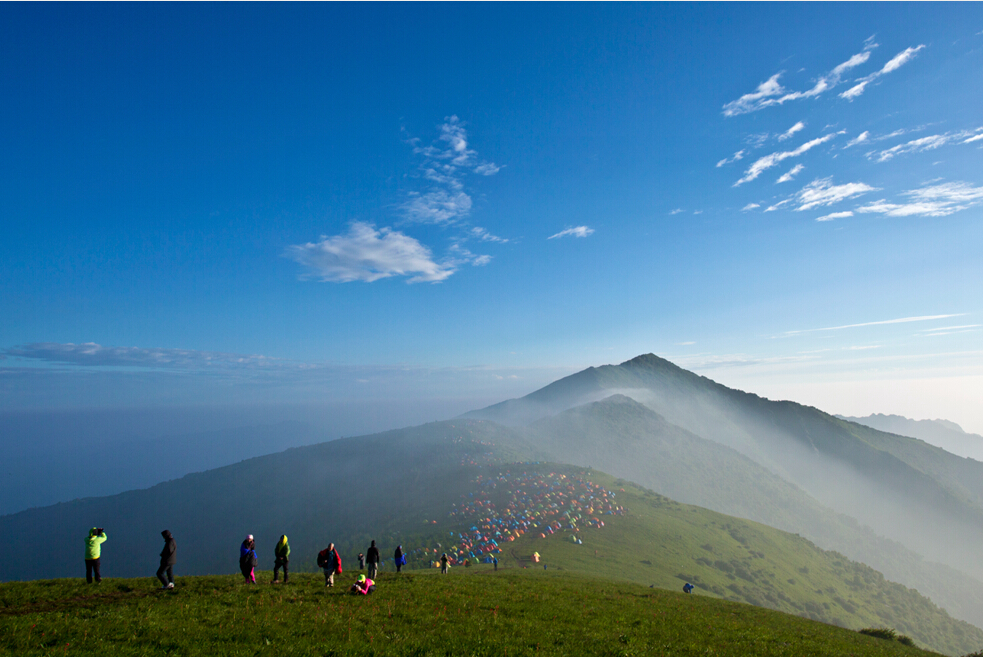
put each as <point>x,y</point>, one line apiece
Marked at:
<point>422,488</point>
<point>464,613</point>
<point>664,544</point>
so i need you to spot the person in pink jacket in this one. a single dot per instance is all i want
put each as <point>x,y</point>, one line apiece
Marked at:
<point>363,585</point>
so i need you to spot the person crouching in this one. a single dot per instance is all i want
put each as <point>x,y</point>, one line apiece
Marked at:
<point>363,586</point>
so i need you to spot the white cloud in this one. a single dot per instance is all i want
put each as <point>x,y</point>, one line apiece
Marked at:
<point>894,64</point>
<point>859,139</point>
<point>684,344</point>
<point>926,143</point>
<point>750,206</point>
<point>676,211</point>
<point>482,234</point>
<point>822,192</point>
<point>915,146</point>
<point>791,131</point>
<point>768,161</point>
<point>835,215</point>
<point>739,155</point>
<point>578,231</point>
<point>779,205</point>
<point>437,207</point>
<point>487,169</point>
<point>791,174</point>
<point>445,163</point>
<point>367,254</point>
<point>930,201</point>
<point>771,92</point>
<point>902,320</point>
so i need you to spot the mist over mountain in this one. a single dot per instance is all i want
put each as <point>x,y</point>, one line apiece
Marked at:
<point>942,433</point>
<point>904,489</point>
<point>622,436</point>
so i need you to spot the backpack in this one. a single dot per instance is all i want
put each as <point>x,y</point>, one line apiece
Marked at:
<point>324,559</point>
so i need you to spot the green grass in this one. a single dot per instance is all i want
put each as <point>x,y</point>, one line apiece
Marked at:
<point>469,612</point>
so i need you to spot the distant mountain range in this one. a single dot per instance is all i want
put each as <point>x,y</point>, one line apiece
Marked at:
<point>876,497</point>
<point>941,433</point>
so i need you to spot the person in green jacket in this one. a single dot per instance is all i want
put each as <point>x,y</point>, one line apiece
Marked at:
<point>281,554</point>
<point>93,552</point>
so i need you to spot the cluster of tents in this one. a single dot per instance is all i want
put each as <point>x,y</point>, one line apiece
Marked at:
<point>540,503</point>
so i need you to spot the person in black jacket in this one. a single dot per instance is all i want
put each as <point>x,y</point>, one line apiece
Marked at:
<point>372,558</point>
<point>168,557</point>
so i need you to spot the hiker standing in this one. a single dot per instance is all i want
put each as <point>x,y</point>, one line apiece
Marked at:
<point>399,558</point>
<point>372,557</point>
<point>361,561</point>
<point>495,563</point>
<point>443,564</point>
<point>93,552</point>
<point>168,557</point>
<point>330,562</point>
<point>281,558</point>
<point>248,559</point>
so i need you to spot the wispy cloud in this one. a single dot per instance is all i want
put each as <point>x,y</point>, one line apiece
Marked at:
<point>927,144</point>
<point>768,161</point>
<point>835,215</point>
<point>822,192</point>
<point>95,355</point>
<point>482,234</point>
<point>778,206</point>
<point>791,131</point>
<point>750,206</point>
<point>739,155</point>
<point>676,211</point>
<point>902,320</point>
<point>894,64</point>
<point>445,163</point>
<point>931,201</point>
<point>771,92</point>
<point>792,173</point>
<point>578,231</point>
<point>948,330</point>
<point>859,139</point>
<point>367,254</point>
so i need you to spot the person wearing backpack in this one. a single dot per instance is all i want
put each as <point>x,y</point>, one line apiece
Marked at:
<point>248,560</point>
<point>168,557</point>
<point>372,558</point>
<point>93,553</point>
<point>330,562</point>
<point>399,558</point>
<point>281,559</point>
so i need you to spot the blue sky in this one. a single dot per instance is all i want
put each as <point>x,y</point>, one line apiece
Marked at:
<point>269,204</point>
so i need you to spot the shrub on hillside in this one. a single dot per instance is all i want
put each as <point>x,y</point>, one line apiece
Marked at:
<point>880,633</point>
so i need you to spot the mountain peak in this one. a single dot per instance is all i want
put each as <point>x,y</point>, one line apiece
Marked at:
<point>648,361</point>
